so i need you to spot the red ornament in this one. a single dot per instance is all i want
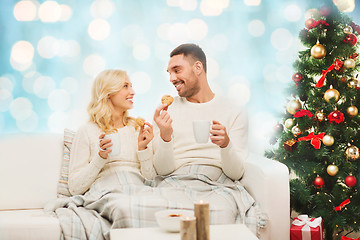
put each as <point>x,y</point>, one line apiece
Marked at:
<point>350,181</point>
<point>278,128</point>
<point>318,182</point>
<point>354,56</point>
<point>336,117</point>
<point>309,22</point>
<point>355,27</point>
<point>350,39</point>
<point>297,77</point>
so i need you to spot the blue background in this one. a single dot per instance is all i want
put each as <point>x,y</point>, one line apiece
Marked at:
<point>250,51</point>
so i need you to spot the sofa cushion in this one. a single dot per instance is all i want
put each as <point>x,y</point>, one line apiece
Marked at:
<point>30,166</point>
<point>63,188</point>
<point>29,224</point>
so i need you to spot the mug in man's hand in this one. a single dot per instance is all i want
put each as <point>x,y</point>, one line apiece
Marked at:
<point>115,140</point>
<point>201,130</point>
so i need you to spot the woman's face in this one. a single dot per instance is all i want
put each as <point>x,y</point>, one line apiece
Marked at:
<point>122,100</point>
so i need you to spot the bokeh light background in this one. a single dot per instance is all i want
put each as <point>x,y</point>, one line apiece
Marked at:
<point>51,51</point>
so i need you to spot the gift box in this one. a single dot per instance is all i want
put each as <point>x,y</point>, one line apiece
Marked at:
<point>305,228</point>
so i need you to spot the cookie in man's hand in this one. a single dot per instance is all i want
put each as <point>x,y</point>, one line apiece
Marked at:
<point>167,99</point>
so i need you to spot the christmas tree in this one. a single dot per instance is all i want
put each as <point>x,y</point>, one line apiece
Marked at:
<point>319,135</point>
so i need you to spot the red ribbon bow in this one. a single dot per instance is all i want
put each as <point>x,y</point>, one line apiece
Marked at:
<point>316,23</point>
<point>302,113</point>
<point>342,205</point>
<point>347,238</point>
<point>315,139</point>
<point>337,65</point>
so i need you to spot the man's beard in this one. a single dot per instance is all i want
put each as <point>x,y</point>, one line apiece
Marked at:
<point>190,92</point>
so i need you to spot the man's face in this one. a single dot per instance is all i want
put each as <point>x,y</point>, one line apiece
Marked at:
<point>182,75</point>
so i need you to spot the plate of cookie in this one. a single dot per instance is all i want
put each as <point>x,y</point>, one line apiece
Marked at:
<point>169,219</point>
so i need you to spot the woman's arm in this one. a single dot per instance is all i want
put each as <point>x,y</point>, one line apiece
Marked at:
<point>144,151</point>
<point>83,167</point>
<point>145,158</point>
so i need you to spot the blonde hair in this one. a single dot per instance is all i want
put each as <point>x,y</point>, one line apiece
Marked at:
<point>105,84</point>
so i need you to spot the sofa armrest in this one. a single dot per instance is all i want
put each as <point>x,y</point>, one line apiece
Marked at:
<point>30,167</point>
<point>268,183</point>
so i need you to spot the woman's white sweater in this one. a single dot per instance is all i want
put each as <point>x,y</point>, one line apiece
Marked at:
<point>86,166</point>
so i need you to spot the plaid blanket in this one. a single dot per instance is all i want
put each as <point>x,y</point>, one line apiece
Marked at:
<point>126,199</point>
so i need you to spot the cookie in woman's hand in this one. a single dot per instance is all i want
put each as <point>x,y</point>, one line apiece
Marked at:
<point>140,121</point>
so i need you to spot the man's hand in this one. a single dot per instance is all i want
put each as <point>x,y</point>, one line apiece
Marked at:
<point>163,120</point>
<point>145,136</point>
<point>219,135</point>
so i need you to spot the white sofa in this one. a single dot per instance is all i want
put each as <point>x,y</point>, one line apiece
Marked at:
<point>29,174</point>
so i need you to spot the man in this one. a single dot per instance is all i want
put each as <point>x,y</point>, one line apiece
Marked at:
<point>175,145</point>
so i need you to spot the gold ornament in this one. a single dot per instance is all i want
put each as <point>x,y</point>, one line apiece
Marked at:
<point>293,106</point>
<point>332,94</point>
<point>352,152</point>
<point>289,123</point>
<point>328,140</point>
<point>352,111</point>
<point>349,63</point>
<point>320,116</point>
<point>332,170</point>
<point>318,51</point>
<point>348,29</point>
<point>353,83</point>
<point>296,130</point>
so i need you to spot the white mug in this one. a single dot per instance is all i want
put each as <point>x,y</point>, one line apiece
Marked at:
<point>201,130</point>
<point>115,140</point>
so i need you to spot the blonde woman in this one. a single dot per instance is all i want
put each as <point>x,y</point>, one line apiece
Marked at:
<point>91,158</point>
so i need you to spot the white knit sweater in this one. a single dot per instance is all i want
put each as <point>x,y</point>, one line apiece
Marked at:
<point>183,150</point>
<point>86,165</point>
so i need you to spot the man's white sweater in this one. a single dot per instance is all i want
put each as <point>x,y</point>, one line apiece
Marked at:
<point>183,150</point>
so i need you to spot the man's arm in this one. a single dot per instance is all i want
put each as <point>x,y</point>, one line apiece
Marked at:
<point>164,160</point>
<point>233,143</point>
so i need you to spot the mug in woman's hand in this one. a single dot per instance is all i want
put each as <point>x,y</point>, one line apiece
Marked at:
<point>115,140</point>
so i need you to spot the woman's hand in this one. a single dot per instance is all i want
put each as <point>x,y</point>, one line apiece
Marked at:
<point>219,135</point>
<point>145,136</point>
<point>104,144</point>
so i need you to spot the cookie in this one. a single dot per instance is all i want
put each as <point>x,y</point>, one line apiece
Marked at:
<point>167,99</point>
<point>140,121</point>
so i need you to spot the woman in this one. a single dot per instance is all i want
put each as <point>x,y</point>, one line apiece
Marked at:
<point>91,158</point>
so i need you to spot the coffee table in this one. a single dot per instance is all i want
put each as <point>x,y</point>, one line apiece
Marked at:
<point>217,232</point>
